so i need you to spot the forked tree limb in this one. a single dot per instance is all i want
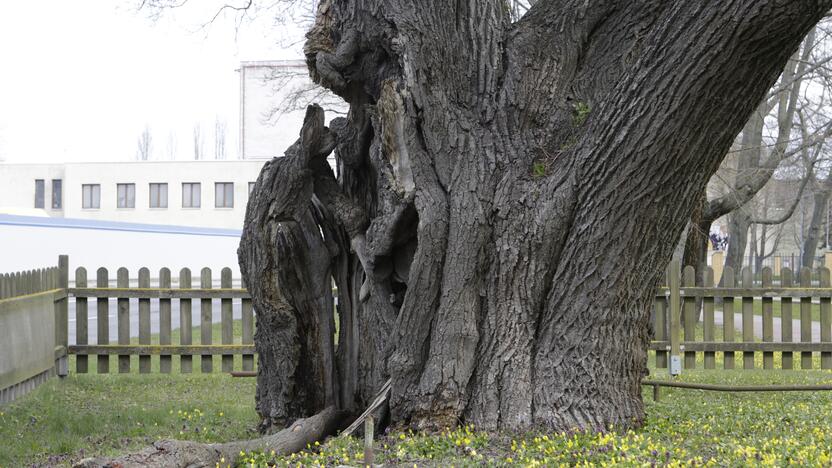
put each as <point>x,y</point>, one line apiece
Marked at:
<point>186,454</point>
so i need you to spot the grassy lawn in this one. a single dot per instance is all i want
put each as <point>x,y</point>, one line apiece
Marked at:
<point>83,415</point>
<point>686,427</point>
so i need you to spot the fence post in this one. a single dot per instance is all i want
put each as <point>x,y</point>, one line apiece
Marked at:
<point>81,321</point>
<point>227,320</point>
<point>248,329</point>
<point>675,317</point>
<point>206,321</point>
<point>62,317</point>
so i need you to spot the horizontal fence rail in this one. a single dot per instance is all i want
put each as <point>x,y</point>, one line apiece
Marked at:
<point>695,320</point>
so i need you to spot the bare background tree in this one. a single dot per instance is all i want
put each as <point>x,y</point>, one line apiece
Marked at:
<point>199,142</point>
<point>771,139</point>
<point>144,145</point>
<point>220,128</point>
<point>171,146</point>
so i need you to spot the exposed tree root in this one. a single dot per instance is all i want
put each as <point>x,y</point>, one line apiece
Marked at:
<point>185,454</point>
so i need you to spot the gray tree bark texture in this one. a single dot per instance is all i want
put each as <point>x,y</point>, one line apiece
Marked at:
<point>506,197</point>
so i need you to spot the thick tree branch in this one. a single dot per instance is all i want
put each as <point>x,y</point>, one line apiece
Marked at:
<point>185,454</point>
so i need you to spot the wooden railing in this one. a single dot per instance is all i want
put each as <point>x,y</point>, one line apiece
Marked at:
<point>676,318</point>
<point>161,295</point>
<point>33,307</point>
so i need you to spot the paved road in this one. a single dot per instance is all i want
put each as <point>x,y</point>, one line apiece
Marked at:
<point>758,327</point>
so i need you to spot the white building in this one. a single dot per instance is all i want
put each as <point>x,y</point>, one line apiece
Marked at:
<point>209,194</point>
<point>155,213</point>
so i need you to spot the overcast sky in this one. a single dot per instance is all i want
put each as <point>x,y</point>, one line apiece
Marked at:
<point>80,80</point>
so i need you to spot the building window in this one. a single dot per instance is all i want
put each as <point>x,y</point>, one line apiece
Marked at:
<point>40,186</point>
<point>57,194</point>
<point>224,195</point>
<point>158,195</point>
<point>251,187</point>
<point>191,195</point>
<point>91,198</point>
<point>126,195</point>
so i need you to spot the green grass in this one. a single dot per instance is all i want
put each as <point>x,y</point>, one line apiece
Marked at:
<point>686,427</point>
<point>84,415</point>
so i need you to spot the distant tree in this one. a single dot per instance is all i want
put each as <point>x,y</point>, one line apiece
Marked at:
<point>199,142</point>
<point>144,146</point>
<point>757,156</point>
<point>172,144</point>
<point>219,138</point>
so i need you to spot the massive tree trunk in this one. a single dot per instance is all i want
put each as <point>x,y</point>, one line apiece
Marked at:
<point>506,197</point>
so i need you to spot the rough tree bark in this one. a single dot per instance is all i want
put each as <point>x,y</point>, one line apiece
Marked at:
<point>506,196</point>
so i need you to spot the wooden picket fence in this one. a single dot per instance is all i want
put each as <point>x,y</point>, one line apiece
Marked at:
<point>163,294</point>
<point>33,307</point>
<point>676,344</point>
<point>34,322</point>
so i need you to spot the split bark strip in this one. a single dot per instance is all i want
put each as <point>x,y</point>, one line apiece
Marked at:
<point>382,396</point>
<point>182,454</point>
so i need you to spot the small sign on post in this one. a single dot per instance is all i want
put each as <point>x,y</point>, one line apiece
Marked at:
<point>675,317</point>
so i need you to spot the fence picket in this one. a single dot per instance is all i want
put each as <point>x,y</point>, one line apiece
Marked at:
<point>659,329</point>
<point>164,322</point>
<point>206,316</point>
<point>123,281</point>
<point>786,331</point>
<point>675,318</point>
<point>4,285</point>
<point>747,318</point>
<point>689,309</point>
<point>825,319</point>
<point>728,318</point>
<point>185,322</point>
<point>768,320</point>
<point>39,280</point>
<point>806,318</point>
<point>708,318</point>
<point>248,332</point>
<point>27,282</point>
<point>81,321</point>
<point>103,304</point>
<point>227,318</point>
<point>144,320</point>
